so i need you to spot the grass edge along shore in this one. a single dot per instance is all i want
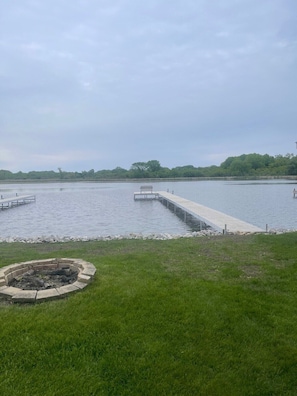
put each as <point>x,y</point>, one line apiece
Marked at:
<point>190,316</point>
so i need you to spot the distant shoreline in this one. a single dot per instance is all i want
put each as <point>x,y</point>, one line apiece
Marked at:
<point>147,180</point>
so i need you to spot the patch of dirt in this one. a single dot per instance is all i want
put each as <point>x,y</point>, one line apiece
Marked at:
<point>251,271</point>
<point>41,279</point>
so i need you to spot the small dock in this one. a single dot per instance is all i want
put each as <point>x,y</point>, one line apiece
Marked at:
<point>213,218</point>
<point>6,203</point>
<point>146,193</point>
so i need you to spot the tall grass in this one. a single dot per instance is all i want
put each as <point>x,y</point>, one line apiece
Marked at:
<point>203,316</point>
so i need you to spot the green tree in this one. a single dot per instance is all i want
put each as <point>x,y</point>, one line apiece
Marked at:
<point>292,167</point>
<point>239,167</point>
<point>139,169</point>
<point>5,174</point>
<point>61,173</point>
<point>153,166</point>
<point>120,173</point>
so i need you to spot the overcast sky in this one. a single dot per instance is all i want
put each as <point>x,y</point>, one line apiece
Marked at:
<point>96,84</point>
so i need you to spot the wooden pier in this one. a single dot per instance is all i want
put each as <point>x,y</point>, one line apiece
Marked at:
<point>6,203</point>
<point>215,219</point>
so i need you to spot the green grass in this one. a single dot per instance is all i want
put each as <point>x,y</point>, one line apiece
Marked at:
<point>203,316</point>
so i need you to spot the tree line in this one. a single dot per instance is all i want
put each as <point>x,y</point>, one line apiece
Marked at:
<point>245,165</point>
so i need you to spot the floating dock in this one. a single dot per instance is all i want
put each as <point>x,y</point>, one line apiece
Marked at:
<point>6,203</point>
<point>215,219</point>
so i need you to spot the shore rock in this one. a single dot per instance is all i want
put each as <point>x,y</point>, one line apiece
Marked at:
<point>163,236</point>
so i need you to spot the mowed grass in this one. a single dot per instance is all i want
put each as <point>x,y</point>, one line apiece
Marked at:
<point>202,316</point>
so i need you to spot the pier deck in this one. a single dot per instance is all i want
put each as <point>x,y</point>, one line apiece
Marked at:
<point>145,195</point>
<point>217,220</point>
<point>146,192</point>
<point>18,200</point>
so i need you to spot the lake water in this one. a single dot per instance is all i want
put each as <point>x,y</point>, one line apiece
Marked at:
<point>99,209</point>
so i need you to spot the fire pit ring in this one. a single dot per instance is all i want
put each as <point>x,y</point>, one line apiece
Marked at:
<point>85,273</point>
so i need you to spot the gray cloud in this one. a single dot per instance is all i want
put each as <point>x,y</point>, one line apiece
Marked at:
<point>100,84</point>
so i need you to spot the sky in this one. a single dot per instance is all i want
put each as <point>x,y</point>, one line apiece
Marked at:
<point>100,84</point>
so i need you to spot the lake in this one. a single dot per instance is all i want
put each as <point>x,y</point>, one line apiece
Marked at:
<point>92,209</point>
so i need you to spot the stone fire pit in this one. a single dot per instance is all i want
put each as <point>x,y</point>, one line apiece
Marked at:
<point>39,280</point>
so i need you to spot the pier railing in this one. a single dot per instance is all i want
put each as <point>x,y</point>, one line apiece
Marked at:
<point>6,203</point>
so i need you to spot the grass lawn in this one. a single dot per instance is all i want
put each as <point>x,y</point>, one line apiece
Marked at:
<point>201,316</point>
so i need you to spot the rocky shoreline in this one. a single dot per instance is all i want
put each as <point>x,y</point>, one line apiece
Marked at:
<point>157,236</point>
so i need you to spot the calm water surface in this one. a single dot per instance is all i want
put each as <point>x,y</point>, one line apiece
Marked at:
<point>101,209</point>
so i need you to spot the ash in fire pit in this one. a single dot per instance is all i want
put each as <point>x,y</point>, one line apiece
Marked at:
<point>35,279</point>
<point>40,280</point>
